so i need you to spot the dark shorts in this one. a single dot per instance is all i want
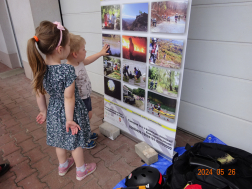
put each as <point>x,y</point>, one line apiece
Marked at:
<point>88,104</point>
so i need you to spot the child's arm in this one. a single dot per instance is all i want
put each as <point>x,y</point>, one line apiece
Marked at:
<point>69,100</point>
<point>41,101</point>
<point>94,57</point>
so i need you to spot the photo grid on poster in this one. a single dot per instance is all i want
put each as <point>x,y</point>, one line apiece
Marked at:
<point>144,67</point>
<point>144,70</point>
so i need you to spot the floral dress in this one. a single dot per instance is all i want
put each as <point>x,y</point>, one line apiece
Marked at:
<point>56,79</point>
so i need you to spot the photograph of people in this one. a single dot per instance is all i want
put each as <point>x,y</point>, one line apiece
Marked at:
<point>161,107</point>
<point>110,17</point>
<point>166,52</point>
<point>134,73</point>
<point>135,17</point>
<point>134,48</point>
<point>168,16</point>
<point>153,51</point>
<point>112,67</point>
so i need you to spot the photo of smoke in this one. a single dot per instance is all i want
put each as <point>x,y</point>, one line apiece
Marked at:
<point>135,17</point>
<point>112,88</point>
<point>134,48</point>
<point>161,106</point>
<point>114,43</point>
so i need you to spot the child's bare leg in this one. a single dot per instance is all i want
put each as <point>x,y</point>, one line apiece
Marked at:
<point>61,154</point>
<point>90,113</point>
<point>78,156</point>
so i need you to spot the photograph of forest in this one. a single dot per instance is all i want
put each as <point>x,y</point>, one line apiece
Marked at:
<point>134,96</point>
<point>110,17</point>
<point>112,67</point>
<point>163,81</point>
<point>166,52</point>
<point>168,16</point>
<point>161,106</point>
<point>135,17</point>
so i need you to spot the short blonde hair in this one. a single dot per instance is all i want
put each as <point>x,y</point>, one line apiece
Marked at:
<point>75,42</point>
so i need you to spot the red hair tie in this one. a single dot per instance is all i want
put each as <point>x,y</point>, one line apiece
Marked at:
<point>36,38</point>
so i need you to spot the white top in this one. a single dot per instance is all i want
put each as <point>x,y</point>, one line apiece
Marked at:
<point>108,16</point>
<point>83,82</point>
<point>113,18</point>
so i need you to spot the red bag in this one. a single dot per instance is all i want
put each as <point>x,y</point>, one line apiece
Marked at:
<point>193,186</point>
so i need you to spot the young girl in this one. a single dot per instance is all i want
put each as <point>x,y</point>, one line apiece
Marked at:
<point>66,110</point>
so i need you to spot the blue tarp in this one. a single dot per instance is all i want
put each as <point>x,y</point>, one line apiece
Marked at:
<point>162,164</point>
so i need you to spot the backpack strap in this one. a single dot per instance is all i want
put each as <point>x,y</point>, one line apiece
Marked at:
<point>188,147</point>
<point>199,161</point>
<point>168,178</point>
<point>175,158</point>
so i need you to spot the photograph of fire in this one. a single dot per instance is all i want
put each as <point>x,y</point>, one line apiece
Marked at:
<point>134,48</point>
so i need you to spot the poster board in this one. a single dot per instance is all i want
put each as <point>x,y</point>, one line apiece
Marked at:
<point>143,73</point>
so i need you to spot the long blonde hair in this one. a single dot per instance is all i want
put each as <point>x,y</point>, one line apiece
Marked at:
<point>48,38</point>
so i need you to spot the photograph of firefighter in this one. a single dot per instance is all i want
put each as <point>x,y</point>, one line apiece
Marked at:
<point>134,48</point>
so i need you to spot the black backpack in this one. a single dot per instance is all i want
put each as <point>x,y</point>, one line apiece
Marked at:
<point>213,166</point>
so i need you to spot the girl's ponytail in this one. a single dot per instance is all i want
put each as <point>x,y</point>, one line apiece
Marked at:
<point>48,37</point>
<point>37,65</point>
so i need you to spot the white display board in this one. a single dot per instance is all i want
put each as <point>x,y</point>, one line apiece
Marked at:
<point>144,72</point>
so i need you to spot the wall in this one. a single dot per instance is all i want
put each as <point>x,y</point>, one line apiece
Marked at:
<point>83,18</point>
<point>8,50</point>
<point>24,28</point>
<point>26,16</point>
<point>4,58</point>
<point>217,82</point>
<point>45,10</point>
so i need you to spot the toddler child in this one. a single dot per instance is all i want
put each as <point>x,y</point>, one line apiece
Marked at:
<point>77,58</point>
<point>66,110</point>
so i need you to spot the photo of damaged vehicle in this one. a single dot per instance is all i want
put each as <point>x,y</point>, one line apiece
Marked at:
<point>128,96</point>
